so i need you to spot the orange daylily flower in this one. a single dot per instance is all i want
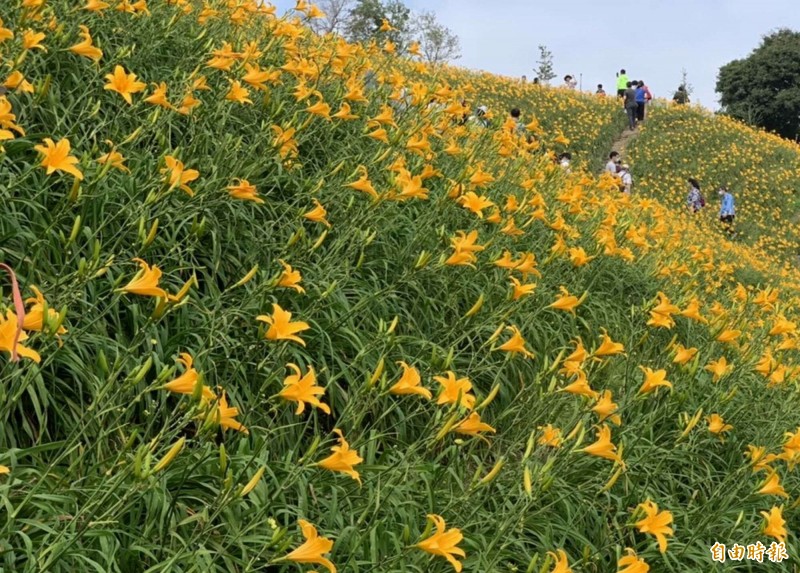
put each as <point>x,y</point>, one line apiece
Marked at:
<point>145,283</point>
<point>566,301</point>
<point>454,389</point>
<point>410,383</point>
<point>243,190</point>
<point>34,316</point>
<point>603,447</point>
<point>186,382</point>
<point>313,549</point>
<point>516,344</point>
<point>655,523</point>
<point>303,389</point>
<point>57,157</point>
<point>551,436</point>
<point>472,426</point>
<point>124,84</point>
<point>444,543</point>
<point>8,332</point>
<point>290,278</point>
<point>653,380</point>
<point>178,175</point>
<point>85,47</point>
<point>281,325</point>
<point>343,459</point>
<point>318,214</point>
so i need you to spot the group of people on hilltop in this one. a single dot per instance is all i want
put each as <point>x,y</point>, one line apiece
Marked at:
<point>635,96</point>
<point>634,103</point>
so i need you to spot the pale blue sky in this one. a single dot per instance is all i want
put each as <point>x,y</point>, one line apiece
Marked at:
<point>652,39</point>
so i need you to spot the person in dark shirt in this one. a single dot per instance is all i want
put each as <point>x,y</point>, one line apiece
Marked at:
<point>630,105</point>
<point>681,96</point>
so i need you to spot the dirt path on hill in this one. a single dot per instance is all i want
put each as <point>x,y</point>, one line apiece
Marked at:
<point>622,142</point>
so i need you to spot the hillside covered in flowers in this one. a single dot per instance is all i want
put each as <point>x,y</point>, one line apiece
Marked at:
<point>274,305</point>
<point>760,169</point>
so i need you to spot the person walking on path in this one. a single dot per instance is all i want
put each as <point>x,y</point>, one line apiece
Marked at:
<point>727,211</point>
<point>630,105</point>
<point>622,83</point>
<point>695,199</point>
<point>643,97</point>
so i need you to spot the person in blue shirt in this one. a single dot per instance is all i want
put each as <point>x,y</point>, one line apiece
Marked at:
<point>727,212</point>
<point>642,97</point>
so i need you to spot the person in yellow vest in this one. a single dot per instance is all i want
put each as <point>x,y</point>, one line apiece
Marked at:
<point>622,83</point>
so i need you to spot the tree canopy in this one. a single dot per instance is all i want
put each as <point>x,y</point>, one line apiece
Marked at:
<point>437,42</point>
<point>763,89</point>
<point>545,71</point>
<point>367,17</point>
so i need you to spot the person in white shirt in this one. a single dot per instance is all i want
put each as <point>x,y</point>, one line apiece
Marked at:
<point>627,179</point>
<point>611,166</point>
<point>570,82</point>
<point>564,160</point>
<point>479,118</point>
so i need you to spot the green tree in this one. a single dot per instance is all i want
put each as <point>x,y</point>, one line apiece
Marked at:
<point>366,18</point>
<point>764,88</point>
<point>545,71</point>
<point>437,42</point>
<point>336,14</point>
<point>688,88</point>
<point>685,89</point>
